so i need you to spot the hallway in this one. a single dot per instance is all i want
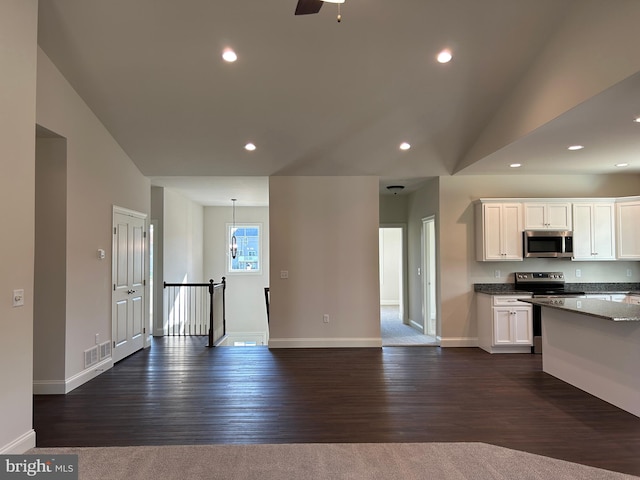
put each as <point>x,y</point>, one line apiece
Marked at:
<point>395,333</point>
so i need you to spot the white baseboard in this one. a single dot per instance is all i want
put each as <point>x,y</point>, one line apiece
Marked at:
<point>61,387</point>
<point>459,342</point>
<point>20,445</point>
<point>416,325</point>
<point>230,337</point>
<point>325,342</point>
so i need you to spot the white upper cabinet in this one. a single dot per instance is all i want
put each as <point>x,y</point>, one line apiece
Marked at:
<point>547,216</point>
<point>498,231</point>
<point>628,220</point>
<point>594,231</point>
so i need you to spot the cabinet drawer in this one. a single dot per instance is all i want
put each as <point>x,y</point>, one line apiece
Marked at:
<point>506,300</point>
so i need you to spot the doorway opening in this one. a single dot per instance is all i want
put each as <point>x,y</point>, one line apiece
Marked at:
<point>395,326</point>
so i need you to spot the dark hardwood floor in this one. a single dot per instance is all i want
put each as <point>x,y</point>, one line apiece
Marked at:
<point>179,392</point>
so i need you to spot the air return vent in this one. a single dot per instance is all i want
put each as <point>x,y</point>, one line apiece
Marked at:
<point>90,356</point>
<point>105,350</point>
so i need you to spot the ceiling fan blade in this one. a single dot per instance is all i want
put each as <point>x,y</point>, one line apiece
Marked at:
<point>306,7</point>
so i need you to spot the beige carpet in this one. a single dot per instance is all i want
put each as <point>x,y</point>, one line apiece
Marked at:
<point>402,461</point>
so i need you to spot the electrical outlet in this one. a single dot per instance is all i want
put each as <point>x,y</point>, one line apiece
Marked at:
<point>284,273</point>
<point>325,318</point>
<point>97,339</point>
<point>629,272</point>
<point>496,273</point>
<point>578,273</point>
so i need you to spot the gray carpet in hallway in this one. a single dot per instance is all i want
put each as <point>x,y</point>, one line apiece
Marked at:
<point>396,333</point>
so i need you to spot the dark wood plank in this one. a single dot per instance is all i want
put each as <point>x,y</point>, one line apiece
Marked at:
<point>179,392</point>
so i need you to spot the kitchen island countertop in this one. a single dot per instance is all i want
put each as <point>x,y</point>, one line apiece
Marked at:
<point>612,311</point>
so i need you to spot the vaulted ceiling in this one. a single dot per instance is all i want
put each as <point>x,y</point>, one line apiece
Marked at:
<point>319,97</point>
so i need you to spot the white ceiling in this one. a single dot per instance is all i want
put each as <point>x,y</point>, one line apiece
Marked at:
<point>319,97</point>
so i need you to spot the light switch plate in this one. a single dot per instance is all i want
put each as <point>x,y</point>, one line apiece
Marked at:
<point>18,298</point>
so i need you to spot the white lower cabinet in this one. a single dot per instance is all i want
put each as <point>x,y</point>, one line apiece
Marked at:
<point>512,326</point>
<point>505,324</point>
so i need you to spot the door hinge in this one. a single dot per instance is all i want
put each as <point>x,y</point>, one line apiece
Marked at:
<point>144,234</point>
<point>114,287</point>
<point>114,230</point>
<point>144,282</point>
<point>144,330</point>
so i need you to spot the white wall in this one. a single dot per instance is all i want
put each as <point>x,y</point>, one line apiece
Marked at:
<point>50,282</point>
<point>576,64</point>
<point>18,35</point>
<point>99,176</point>
<point>421,204</point>
<point>157,216</point>
<point>456,239</point>
<point>245,305</point>
<point>183,230</point>
<point>324,233</point>
<point>390,265</point>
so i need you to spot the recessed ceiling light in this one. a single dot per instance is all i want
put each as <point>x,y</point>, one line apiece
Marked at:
<point>515,165</point>
<point>444,56</point>
<point>637,119</point>
<point>405,146</point>
<point>229,55</point>
<point>250,146</point>
<point>622,164</point>
<point>575,147</point>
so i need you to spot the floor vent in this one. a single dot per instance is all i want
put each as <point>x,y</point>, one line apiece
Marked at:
<point>105,350</point>
<point>90,356</point>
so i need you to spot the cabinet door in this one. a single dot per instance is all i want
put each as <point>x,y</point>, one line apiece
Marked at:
<point>522,326</point>
<point>629,230</point>
<point>582,228</point>
<point>593,231</point>
<point>512,326</point>
<point>501,232</point>
<point>534,216</point>
<point>512,231</point>
<point>502,326</point>
<point>547,216</point>
<point>559,216</point>
<point>603,232</point>
<point>492,221</point>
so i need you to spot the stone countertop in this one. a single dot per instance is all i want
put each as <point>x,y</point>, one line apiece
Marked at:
<point>509,288</point>
<point>497,289</point>
<point>613,311</point>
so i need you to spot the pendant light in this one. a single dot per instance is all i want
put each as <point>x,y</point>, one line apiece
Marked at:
<point>234,241</point>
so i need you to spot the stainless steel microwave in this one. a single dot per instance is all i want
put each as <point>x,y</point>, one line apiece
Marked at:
<point>548,243</point>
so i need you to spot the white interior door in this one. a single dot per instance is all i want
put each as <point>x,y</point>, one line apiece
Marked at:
<point>128,304</point>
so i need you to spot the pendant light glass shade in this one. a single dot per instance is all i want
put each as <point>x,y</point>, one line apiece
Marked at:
<point>234,241</point>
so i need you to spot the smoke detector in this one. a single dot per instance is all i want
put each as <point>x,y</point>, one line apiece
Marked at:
<point>395,189</point>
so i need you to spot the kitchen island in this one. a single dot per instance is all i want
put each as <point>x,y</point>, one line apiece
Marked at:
<point>594,345</point>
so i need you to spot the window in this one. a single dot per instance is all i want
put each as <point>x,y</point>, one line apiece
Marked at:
<point>249,254</point>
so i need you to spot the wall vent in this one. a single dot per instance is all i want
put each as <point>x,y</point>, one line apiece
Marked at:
<point>90,356</point>
<point>105,350</point>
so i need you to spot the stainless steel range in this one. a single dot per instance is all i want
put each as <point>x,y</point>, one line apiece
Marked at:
<point>542,285</point>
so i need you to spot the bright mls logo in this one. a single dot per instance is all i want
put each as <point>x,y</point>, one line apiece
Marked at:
<point>58,467</point>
